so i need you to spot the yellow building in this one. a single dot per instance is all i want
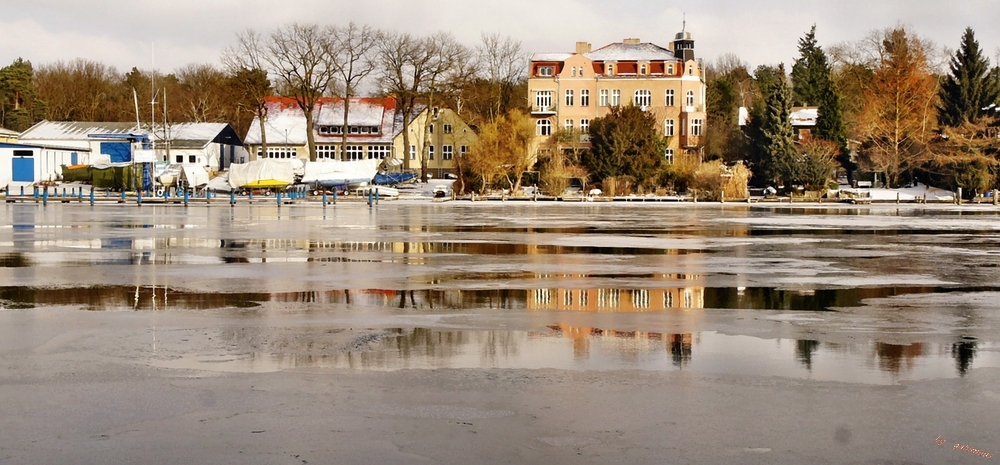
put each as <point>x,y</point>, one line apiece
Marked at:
<point>438,135</point>
<point>568,90</point>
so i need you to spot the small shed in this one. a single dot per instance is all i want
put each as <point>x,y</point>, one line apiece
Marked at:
<point>26,163</point>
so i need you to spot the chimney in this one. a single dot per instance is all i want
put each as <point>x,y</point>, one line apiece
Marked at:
<point>582,47</point>
<point>633,41</point>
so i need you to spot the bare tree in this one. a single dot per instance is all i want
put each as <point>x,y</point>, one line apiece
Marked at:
<point>446,70</point>
<point>354,52</point>
<point>203,95</point>
<point>245,64</point>
<point>300,57</point>
<point>503,64</point>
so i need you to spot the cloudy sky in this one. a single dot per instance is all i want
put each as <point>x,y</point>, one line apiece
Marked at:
<point>169,34</point>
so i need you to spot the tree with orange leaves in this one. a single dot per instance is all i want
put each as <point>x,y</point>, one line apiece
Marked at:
<point>898,117</point>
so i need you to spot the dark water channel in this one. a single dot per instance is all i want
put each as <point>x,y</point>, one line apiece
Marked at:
<point>869,295</point>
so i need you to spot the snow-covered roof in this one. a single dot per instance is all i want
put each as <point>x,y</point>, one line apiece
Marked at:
<point>4,132</point>
<point>75,130</point>
<point>620,51</point>
<point>804,116</point>
<point>286,123</point>
<point>197,135</point>
<point>550,56</point>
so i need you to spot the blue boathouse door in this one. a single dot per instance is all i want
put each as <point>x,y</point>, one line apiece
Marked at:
<point>23,169</point>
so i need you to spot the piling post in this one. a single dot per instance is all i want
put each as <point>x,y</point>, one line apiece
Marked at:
<point>138,197</point>
<point>334,195</point>
<point>232,198</point>
<point>324,197</point>
<point>185,197</point>
<point>45,196</point>
<point>994,196</point>
<point>376,196</point>
<point>278,197</point>
<point>958,198</point>
<point>91,195</point>
<point>369,198</point>
<point>36,194</point>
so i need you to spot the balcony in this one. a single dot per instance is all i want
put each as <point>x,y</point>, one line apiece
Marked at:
<point>546,110</point>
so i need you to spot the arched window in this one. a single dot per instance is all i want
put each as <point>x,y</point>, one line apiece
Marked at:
<point>544,127</point>
<point>689,100</point>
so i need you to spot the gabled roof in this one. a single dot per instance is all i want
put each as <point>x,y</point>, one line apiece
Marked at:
<point>198,135</point>
<point>74,130</point>
<point>620,51</point>
<point>4,132</point>
<point>285,121</point>
<point>804,116</point>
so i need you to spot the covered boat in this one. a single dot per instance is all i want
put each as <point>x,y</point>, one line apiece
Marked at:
<point>265,173</point>
<point>335,173</point>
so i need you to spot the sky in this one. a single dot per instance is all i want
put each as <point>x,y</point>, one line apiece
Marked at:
<point>168,35</point>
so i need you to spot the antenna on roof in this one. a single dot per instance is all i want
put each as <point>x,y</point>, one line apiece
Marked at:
<point>684,22</point>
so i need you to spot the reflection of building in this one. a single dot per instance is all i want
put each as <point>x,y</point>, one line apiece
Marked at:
<point>678,345</point>
<point>619,300</point>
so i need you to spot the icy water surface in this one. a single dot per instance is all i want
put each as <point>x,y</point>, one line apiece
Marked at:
<point>870,295</point>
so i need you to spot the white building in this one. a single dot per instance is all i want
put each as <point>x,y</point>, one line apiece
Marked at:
<point>28,164</point>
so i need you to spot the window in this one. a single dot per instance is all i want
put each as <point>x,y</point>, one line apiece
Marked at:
<point>192,159</point>
<point>584,98</point>
<point>430,152</point>
<point>447,152</point>
<point>689,100</point>
<point>413,152</point>
<point>585,126</point>
<point>668,156</point>
<point>378,151</point>
<point>327,151</point>
<point>568,125</point>
<point>668,128</point>
<point>669,98</point>
<point>543,99</point>
<point>696,127</point>
<point>670,69</point>
<point>545,70</point>
<point>354,129</point>
<point>642,69</point>
<point>355,152</point>
<point>430,128</point>
<point>446,128</point>
<point>603,98</point>
<point>611,69</point>
<point>574,71</point>
<point>616,98</point>
<point>643,98</point>
<point>544,127</point>
<point>180,158</point>
<point>463,150</point>
<point>569,98</point>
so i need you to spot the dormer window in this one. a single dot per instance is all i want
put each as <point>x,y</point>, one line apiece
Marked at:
<point>545,70</point>
<point>611,70</point>
<point>642,69</point>
<point>670,69</point>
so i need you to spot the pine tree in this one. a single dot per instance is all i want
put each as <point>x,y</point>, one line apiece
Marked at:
<point>811,72</point>
<point>770,130</point>
<point>18,101</point>
<point>813,85</point>
<point>970,86</point>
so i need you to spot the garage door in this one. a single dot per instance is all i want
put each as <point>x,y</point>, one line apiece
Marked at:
<point>23,170</point>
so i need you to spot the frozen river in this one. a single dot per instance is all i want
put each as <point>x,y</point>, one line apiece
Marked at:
<point>872,297</point>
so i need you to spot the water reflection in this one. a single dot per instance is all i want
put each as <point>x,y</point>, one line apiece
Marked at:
<point>571,347</point>
<point>963,352</point>
<point>601,299</point>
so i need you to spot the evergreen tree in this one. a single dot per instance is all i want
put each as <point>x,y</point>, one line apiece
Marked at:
<point>625,143</point>
<point>18,101</point>
<point>813,85</point>
<point>770,131</point>
<point>811,72</point>
<point>970,86</point>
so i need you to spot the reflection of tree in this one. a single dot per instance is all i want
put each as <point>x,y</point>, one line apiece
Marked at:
<point>804,349</point>
<point>894,357</point>
<point>14,260</point>
<point>963,351</point>
<point>680,349</point>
